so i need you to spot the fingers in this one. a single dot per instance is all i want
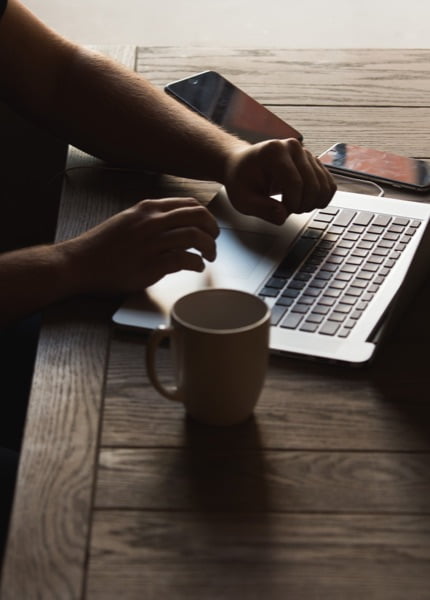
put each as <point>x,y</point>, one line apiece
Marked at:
<point>274,167</point>
<point>137,247</point>
<point>299,176</point>
<point>173,213</point>
<point>184,238</point>
<point>171,262</point>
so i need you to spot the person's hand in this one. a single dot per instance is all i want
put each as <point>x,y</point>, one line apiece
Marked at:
<point>137,247</point>
<point>255,173</point>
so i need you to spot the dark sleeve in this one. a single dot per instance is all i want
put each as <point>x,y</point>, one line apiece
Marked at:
<point>3,4</point>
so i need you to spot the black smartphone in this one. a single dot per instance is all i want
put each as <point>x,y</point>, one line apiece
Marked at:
<point>379,166</point>
<point>220,101</point>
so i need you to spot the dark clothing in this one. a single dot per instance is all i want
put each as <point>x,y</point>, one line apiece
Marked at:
<point>3,4</point>
<point>18,345</point>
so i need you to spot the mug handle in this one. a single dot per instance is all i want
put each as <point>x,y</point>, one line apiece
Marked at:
<point>157,336</point>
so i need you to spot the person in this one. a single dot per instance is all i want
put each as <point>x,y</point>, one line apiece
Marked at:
<point>117,115</point>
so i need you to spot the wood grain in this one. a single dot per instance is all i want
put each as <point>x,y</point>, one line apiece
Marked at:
<point>216,479</point>
<point>356,77</point>
<point>179,555</point>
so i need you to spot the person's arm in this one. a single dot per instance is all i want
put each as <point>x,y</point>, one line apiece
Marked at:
<point>119,116</point>
<point>127,253</point>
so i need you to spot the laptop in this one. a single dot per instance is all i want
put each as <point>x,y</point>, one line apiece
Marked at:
<point>333,278</point>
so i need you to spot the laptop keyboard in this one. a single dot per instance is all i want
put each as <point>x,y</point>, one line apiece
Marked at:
<point>326,282</point>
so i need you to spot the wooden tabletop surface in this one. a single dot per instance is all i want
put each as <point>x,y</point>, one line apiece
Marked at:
<point>324,494</point>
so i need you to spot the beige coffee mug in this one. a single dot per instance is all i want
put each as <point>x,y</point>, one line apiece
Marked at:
<point>220,344</point>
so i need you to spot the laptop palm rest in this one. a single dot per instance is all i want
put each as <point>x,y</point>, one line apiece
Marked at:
<point>247,250</point>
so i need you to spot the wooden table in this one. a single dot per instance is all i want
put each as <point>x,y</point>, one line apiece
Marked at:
<point>324,494</point>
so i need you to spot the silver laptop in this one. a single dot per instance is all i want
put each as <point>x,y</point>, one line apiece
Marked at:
<point>331,277</point>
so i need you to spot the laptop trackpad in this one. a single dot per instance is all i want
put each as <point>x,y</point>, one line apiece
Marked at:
<point>247,251</point>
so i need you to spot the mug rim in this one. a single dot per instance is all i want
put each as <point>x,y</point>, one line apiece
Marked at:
<point>225,331</point>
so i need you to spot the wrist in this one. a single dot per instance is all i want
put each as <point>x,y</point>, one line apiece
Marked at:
<point>231,157</point>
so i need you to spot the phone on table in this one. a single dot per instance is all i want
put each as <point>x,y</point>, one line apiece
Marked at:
<point>223,103</point>
<point>378,166</point>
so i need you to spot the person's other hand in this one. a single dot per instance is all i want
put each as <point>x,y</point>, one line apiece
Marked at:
<point>137,247</point>
<point>255,173</point>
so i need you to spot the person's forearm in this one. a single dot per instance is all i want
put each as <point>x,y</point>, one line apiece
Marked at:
<point>31,279</point>
<point>119,116</point>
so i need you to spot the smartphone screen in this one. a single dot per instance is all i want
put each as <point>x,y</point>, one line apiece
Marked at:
<point>217,99</point>
<point>377,165</point>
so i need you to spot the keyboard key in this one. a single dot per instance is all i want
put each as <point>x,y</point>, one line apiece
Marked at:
<point>296,284</point>
<point>267,292</point>
<point>385,244</point>
<point>302,276</point>
<point>323,274</point>
<point>336,230</point>
<point>276,282</point>
<point>401,221</point>
<point>380,251</point>
<point>337,284</point>
<point>329,328</point>
<point>326,301</point>
<point>363,218</point>
<point>343,332</point>
<point>313,291</point>
<point>345,244</point>
<point>382,220</point>
<point>344,218</point>
<point>284,301</point>
<point>375,259</point>
<point>300,308</point>
<point>396,229</point>
<point>370,266</point>
<point>305,299</point>
<point>325,217</point>
<point>352,237</point>
<point>360,253</point>
<point>370,237</point>
<point>318,225</point>
<point>348,268</point>
<point>357,228</point>
<point>309,327</point>
<point>367,275</point>
<point>318,283</point>
<point>354,260</point>
<point>391,236</point>
<point>290,293</point>
<point>340,252</point>
<point>343,308</point>
<point>315,318</point>
<point>332,293</point>
<point>312,233</point>
<point>365,245</point>
<point>361,305</point>
<point>376,229</point>
<point>348,299</point>
<point>329,210</point>
<point>359,283</point>
<point>320,309</point>
<point>354,291</point>
<point>338,317</point>
<point>277,312</point>
<point>350,323</point>
<point>292,321</point>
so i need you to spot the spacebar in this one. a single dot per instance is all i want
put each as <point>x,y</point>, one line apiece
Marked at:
<point>295,256</point>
